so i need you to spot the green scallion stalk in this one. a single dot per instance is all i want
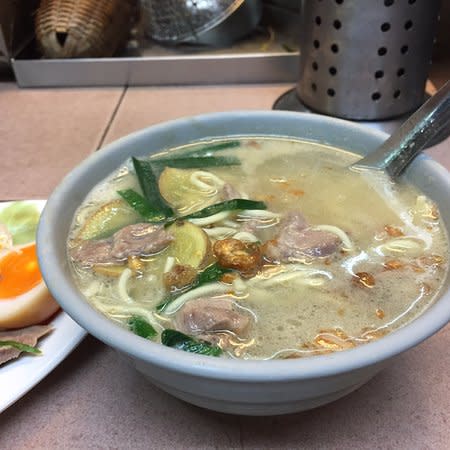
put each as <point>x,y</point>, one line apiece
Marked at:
<point>149,185</point>
<point>194,162</point>
<point>21,347</point>
<point>209,149</point>
<point>176,339</point>
<point>138,325</point>
<point>227,205</point>
<point>140,204</point>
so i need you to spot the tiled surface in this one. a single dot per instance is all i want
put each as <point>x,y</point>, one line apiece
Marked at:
<point>52,131</point>
<point>142,107</point>
<point>404,407</point>
<point>94,400</point>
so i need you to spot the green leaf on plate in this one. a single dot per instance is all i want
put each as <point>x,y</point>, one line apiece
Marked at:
<point>21,347</point>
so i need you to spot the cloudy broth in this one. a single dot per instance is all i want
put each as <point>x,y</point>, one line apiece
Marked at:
<point>389,265</point>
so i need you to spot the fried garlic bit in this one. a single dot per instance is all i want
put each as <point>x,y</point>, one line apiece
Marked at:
<point>393,264</point>
<point>419,265</point>
<point>136,265</point>
<point>364,279</point>
<point>380,313</point>
<point>430,260</point>
<point>235,254</point>
<point>425,208</point>
<point>393,231</point>
<point>179,276</point>
<point>334,339</point>
<point>228,278</point>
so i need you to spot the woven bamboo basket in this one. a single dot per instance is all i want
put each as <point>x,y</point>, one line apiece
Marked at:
<point>83,28</point>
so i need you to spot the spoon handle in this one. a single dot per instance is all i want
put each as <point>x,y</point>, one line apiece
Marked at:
<point>401,148</point>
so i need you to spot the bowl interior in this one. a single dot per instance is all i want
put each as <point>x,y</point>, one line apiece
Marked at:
<point>56,219</point>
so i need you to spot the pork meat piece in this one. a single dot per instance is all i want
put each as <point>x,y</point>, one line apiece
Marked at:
<point>140,239</point>
<point>28,335</point>
<point>91,252</point>
<point>229,192</point>
<point>296,240</point>
<point>132,240</point>
<point>205,314</point>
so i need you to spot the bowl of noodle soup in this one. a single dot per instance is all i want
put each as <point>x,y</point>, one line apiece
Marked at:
<point>236,261</point>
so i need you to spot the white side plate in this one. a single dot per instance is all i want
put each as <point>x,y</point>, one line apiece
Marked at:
<point>18,376</point>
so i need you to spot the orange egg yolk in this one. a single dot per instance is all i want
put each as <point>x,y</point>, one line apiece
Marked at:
<point>19,272</point>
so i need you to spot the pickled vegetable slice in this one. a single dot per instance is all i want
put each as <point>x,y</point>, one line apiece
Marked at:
<point>178,190</point>
<point>191,246</point>
<point>106,220</point>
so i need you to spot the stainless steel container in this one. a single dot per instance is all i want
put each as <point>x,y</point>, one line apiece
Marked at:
<point>365,59</point>
<point>207,22</point>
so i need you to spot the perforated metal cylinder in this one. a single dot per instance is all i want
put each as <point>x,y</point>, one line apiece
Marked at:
<point>365,59</point>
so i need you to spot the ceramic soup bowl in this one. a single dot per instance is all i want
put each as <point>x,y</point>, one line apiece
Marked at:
<point>235,386</point>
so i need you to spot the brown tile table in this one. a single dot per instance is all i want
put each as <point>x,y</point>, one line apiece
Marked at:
<point>94,400</point>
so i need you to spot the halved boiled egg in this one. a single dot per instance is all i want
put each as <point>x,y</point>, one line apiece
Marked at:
<point>24,298</point>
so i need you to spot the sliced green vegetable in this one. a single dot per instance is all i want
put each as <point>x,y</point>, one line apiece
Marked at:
<point>209,149</point>
<point>108,219</point>
<point>141,205</point>
<point>175,339</point>
<point>21,219</point>
<point>138,325</point>
<point>195,162</point>
<point>149,185</point>
<point>228,205</point>
<point>212,273</point>
<point>22,347</point>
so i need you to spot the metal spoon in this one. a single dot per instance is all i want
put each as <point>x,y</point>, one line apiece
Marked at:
<point>394,155</point>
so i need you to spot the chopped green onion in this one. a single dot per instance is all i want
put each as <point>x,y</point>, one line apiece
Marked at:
<point>175,339</point>
<point>208,149</point>
<point>194,162</point>
<point>141,205</point>
<point>149,186</point>
<point>22,347</point>
<point>212,273</point>
<point>228,205</point>
<point>138,325</point>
